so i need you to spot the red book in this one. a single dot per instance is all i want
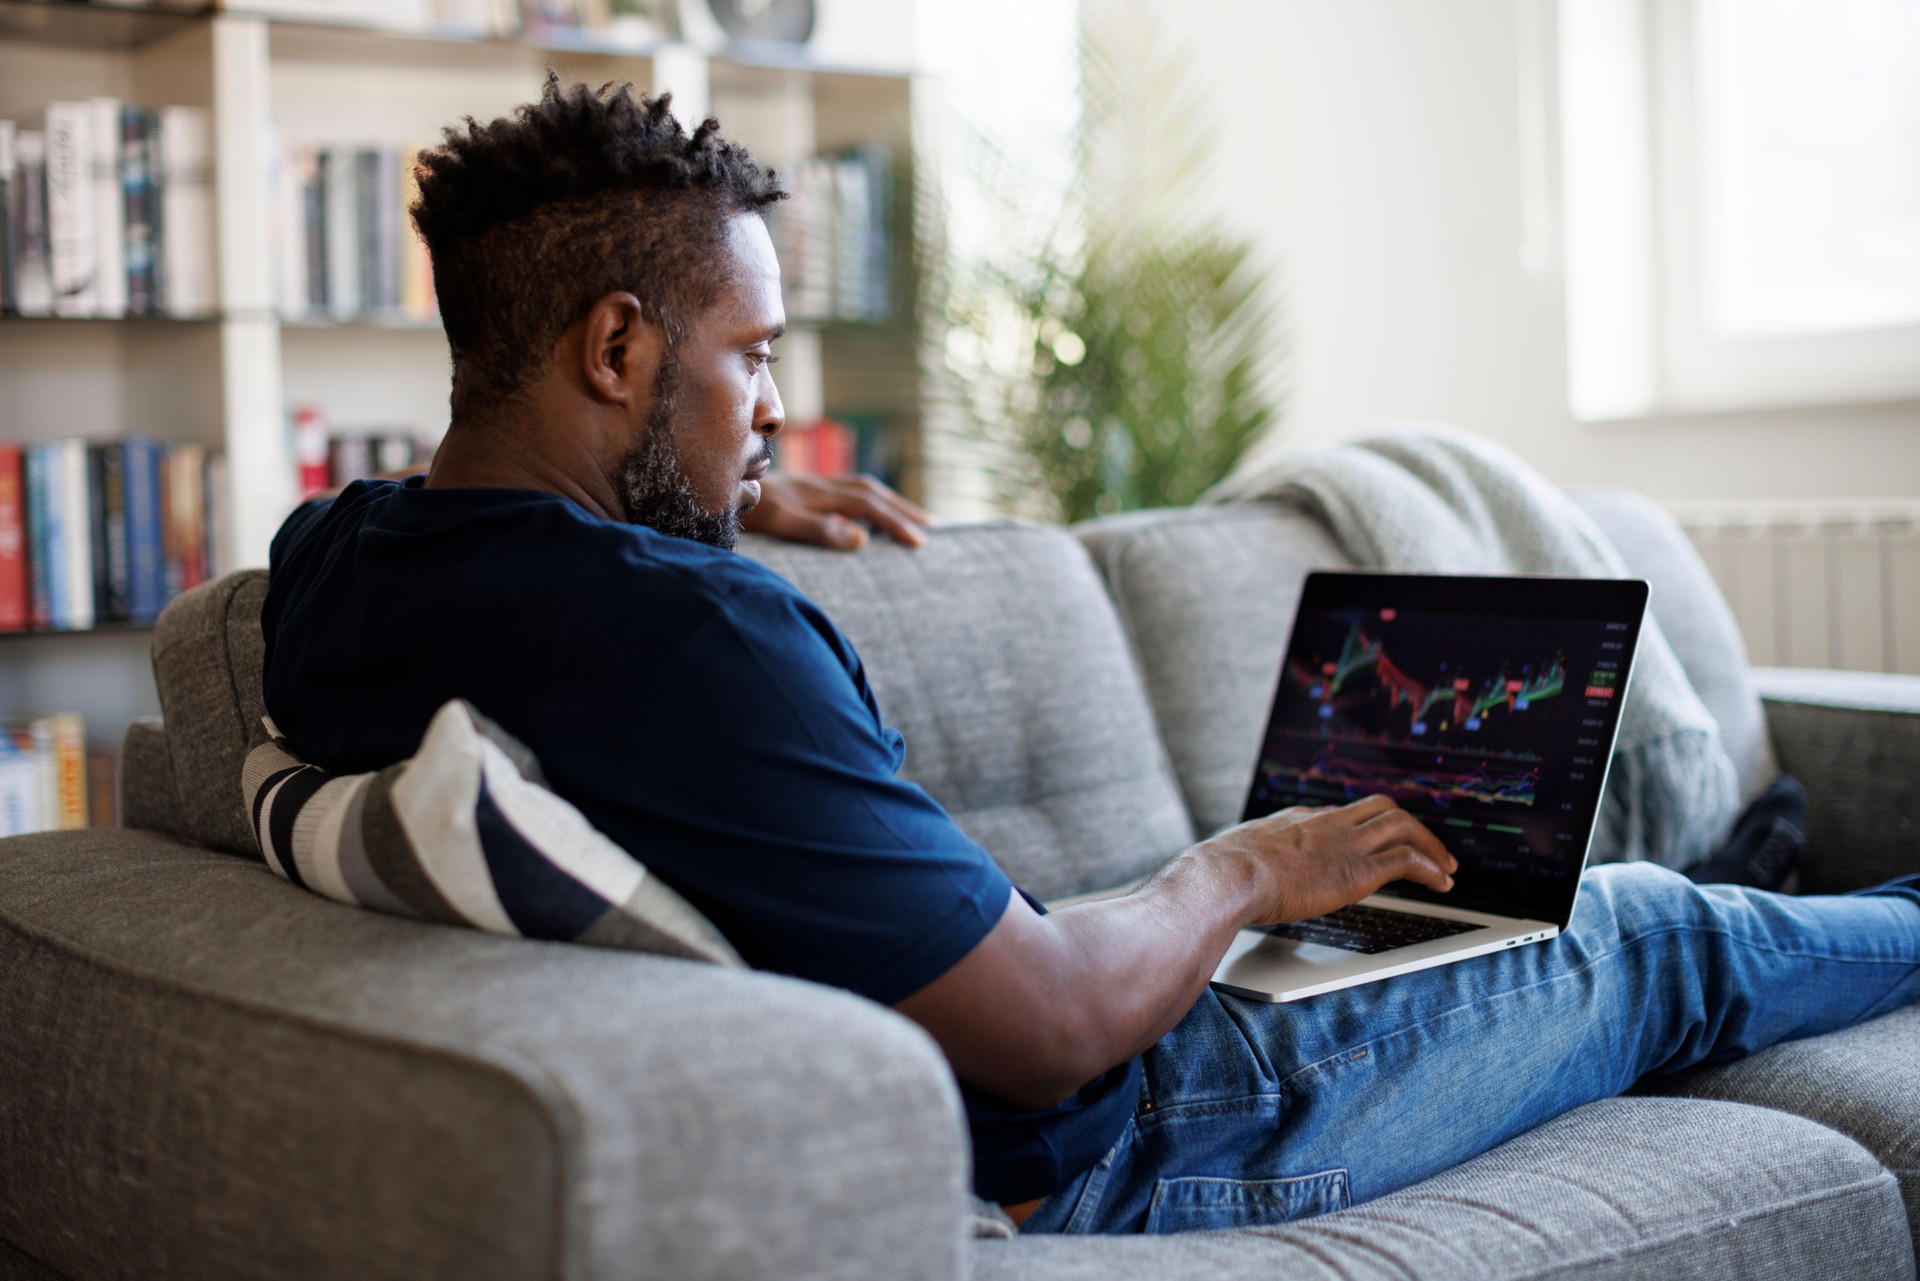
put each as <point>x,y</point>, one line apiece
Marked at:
<point>15,605</point>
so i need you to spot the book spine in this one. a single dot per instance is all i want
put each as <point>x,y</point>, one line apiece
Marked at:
<point>313,206</point>
<point>146,573</point>
<point>33,292</point>
<point>69,743</point>
<point>9,237</point>
<point>344,301</point>
<point>97,526</point>
<point>219,517</point>
<point>290,222</point>
<point>39,540</point>
<point>171,564</point>
<point>39,737</point>
<point>19,790</point>
<point>113,603</point>
<point>310,449</point>
<point>137,190</point>
<point>77,527</point>
<point>187,510</point>
<point>186,149</point>
<point>70,208</point>
<point>16,606</point>
<point>103,790</point>
<point>109,207</point>
<point>366,177</point>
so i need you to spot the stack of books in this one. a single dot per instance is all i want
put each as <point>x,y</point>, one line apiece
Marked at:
<point>94,533</point>
<point>106,209</point>
<point>346,248</point>
<point>833,237</point>
<point>48,780</point>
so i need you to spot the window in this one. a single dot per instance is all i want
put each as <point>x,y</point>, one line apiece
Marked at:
<point>1741,194</point>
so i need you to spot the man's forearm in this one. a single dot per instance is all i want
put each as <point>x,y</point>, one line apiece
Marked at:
<point>1044,1004</point>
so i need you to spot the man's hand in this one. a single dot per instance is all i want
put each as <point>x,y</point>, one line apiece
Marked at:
<point>1312,860</point>
<point>1044,1004</point>
<point>817,509</point>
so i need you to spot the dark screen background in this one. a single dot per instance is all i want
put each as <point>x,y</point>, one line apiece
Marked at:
<point>1493,729</point>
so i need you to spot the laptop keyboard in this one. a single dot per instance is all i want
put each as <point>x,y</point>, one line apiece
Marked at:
<point>1369,929</point>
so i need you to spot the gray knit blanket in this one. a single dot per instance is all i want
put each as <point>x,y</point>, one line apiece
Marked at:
<point>1436,500</point>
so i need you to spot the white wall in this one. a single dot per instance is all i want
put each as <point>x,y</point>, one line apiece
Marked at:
<point>1373,149</point>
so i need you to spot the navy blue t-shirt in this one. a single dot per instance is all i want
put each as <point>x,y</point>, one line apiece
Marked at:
<point>694,705</point>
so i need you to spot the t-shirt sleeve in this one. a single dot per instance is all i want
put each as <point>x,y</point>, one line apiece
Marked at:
<point>756,777</point>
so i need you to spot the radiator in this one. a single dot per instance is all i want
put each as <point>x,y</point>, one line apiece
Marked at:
<point>1821,584</point>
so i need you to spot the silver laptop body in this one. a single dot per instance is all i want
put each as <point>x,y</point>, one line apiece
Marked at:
<point>1487,707</point>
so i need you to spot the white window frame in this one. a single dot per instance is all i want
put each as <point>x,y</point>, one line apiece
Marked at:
<point>1629,77</point>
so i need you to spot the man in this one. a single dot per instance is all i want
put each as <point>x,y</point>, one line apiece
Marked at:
<point>611,298</point>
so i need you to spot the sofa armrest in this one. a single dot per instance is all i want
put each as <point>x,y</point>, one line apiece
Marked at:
<point>210,1073</point>
<point>1854,739</point>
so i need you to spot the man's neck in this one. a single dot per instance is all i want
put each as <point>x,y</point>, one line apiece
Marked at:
<point>497,456</point>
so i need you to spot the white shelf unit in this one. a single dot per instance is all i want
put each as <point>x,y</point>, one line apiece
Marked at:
<point>229,382</point>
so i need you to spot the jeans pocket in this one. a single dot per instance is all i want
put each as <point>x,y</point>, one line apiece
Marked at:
<point>1200,1204</point>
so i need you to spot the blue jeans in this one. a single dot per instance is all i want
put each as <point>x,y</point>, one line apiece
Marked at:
<point>1258,1114</point>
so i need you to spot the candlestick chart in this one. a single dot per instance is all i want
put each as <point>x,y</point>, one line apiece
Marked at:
<point>1423,720</point>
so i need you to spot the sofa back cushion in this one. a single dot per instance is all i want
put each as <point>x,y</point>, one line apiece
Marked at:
<point>207,655</point>
<point>1208,596</point>
<point>1696,621</point>
<point>995,650</point>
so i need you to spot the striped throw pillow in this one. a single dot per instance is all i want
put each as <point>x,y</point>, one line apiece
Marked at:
<point>465,833</point>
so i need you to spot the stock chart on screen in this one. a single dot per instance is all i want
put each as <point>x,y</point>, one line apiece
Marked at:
<point>1493,730</point>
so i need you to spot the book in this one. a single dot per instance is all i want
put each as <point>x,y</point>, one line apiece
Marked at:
<point>292,177</point>
<point>184,502</point>
<point>146,568</point>
<point>20,788</point>
<point>103,789</point>
<point>45,547</point>
<point>56,748</point>
<point>219,518</point>
<point>70,243</point>
<point>140,209</point>
<point>15,601</point>
<point>185,179</point>
<point>349,459</point>
<point>33,288</point>
<point>416,267</point>
<point>108,504</point>
<point>340,231</point>
<point>108,194</point>
<point>75,566</point>
<point>9,240</point>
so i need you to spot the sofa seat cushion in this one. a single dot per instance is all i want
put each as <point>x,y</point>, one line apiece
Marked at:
<point>1618,1190</point>
<point>1208,597</point>
<point>464,832</point>
<point>996,652</point>
<point>1863,1081</point>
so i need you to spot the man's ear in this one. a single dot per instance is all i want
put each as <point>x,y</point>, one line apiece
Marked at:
<point>620,350</point>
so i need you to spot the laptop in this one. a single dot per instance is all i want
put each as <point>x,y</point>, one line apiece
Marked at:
<point>1488,708</point>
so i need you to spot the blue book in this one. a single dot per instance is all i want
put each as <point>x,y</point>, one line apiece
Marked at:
<point>47,512</point>
<point>146,538</point>
<point>43,565</point>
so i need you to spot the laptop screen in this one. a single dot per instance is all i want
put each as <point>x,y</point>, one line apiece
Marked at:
<point>1487,707</point>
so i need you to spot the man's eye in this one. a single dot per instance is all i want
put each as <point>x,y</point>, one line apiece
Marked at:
<point>760,358</point>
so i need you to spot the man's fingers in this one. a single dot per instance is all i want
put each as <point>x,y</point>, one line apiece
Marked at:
<point>824,529</point>
<point>1405,863</point>
<point>1397,827</point>
<point>1357,812</point>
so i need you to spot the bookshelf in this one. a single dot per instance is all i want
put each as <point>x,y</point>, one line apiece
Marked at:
<point>228,380</point>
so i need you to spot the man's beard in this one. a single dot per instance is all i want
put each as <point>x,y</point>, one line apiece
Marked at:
<point>658,492</point>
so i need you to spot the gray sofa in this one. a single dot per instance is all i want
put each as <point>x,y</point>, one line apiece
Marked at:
<point>207,1073</point>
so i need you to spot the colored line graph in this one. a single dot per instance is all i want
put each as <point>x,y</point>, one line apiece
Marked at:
<point>1463,701</point>
<point>1333,776</point>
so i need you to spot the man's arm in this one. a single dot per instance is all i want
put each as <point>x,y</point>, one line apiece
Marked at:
<point>1045,1004</point>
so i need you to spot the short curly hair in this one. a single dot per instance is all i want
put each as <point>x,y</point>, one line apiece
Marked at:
<point>533,218</point>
